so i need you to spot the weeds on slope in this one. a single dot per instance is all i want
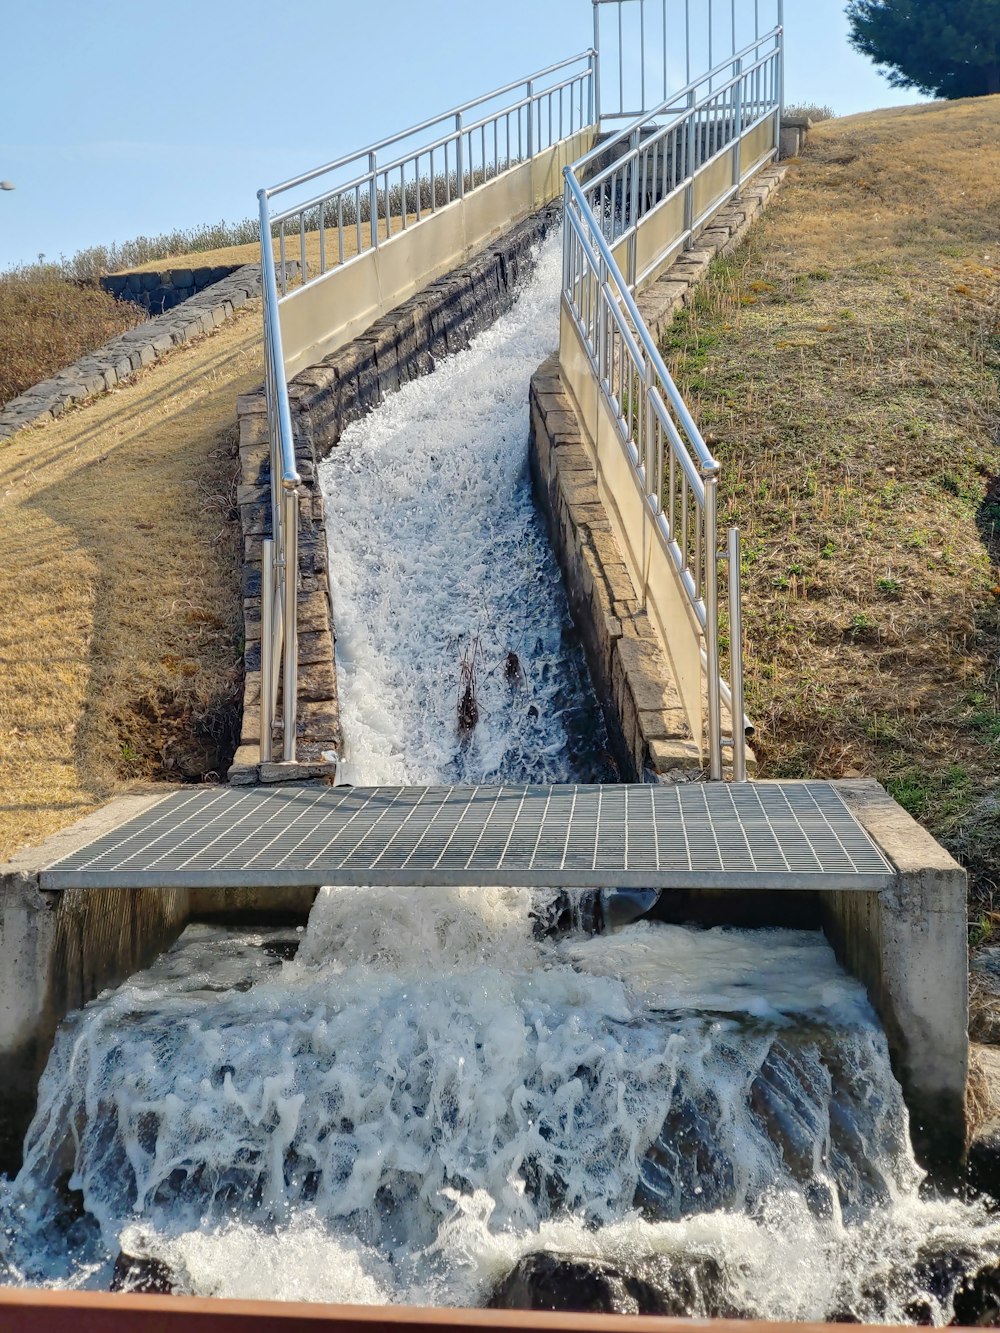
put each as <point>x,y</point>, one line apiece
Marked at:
<point>845,365</point>
<point>47,322</point>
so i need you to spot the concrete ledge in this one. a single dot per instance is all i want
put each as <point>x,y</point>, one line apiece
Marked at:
<point>325,399</point>
<point>794,135</point>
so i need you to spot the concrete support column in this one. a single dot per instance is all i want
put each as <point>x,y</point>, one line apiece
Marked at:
<point>909,945</point>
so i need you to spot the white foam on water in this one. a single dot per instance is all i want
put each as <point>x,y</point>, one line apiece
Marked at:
<point>438,555</point>
<point>398,1115</point>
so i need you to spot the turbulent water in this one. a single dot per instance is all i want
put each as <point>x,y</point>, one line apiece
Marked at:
<point>405,1099</point>
<point>442,569</point>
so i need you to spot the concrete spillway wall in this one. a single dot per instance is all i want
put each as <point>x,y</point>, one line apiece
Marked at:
<point>58,951</point>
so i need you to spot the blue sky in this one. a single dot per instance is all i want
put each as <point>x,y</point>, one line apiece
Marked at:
<point>118,120</point>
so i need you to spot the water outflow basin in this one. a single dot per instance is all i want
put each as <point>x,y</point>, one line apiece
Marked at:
<point>423,1091</point>
<point>436,1087</point>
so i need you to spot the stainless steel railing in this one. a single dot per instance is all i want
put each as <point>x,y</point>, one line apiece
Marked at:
<point>280,551</point>
<point>369,196</point>
<point>663,31</point>
<point>660,157</point>
<point>663,154</point>
<point>367,199</point>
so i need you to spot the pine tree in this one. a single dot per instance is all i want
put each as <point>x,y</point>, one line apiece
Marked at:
<point>947,48</point>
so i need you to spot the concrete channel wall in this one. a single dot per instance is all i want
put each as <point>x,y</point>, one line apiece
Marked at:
<point>58,951</point>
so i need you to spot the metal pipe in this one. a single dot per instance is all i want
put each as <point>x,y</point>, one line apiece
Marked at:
<point>642,53</point>
<point>666,75</point>
<point>266,647</point>
<point>781,60</point>
<point>272,337</point>
<point>736,659</point>
<point>712,629</point>
<point>621,63</point>
<point>290,575</point>
<point>738,129</point>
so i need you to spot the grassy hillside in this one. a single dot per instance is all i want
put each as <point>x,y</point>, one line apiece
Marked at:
<point>845,365</point>
<point>47,322</point>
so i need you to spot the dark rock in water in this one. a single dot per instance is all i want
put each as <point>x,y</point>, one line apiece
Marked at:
<point>142,1277</point>
<point>593,911</point>
<point>977,1300</point>
<point>659,1285</point>
<point>554,1282</point>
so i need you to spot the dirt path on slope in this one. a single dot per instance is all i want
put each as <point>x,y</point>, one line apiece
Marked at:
<point>121,632</point>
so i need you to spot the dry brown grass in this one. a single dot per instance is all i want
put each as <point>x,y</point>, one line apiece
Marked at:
<point>250,254</point>
<point>845,363</point>
<point>46,323</point>
<point>120,642</point>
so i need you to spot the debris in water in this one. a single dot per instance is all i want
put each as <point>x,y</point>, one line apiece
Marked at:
<point>468,706</point>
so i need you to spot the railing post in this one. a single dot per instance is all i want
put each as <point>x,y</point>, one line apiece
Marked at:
<point>266,647</point>
<point>531,119</point>
<point>595,66</point>
<point>600,323</point>
<point>373,199</point>
<point>290,574</point>
<point>689,172</point>
<point>780,77</point>
<point>711,548</point>
<point>738,128</point>
<point>459,156</point>
<point>736,659</point>
<point>633,208</point>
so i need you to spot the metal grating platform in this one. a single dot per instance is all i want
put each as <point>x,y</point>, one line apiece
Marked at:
<point>797,835</point>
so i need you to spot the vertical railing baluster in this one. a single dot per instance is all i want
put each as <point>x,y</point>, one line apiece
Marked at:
<point>373,198</point>
<point>712,628</point>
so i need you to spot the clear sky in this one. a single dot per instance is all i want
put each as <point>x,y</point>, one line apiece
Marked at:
<point>123,119</point>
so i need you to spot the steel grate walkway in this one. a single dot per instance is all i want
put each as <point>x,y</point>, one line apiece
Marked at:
<point>797,835</point>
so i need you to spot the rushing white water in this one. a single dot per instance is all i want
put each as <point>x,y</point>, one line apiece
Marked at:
<point>438,557</point>
<point>403,1101</point>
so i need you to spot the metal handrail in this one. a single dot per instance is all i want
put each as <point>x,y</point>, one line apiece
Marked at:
<point>425,125</point>
<point>667,106</point>
<point>676,471</point>
<point>370,190</point>
<point>447,164</point>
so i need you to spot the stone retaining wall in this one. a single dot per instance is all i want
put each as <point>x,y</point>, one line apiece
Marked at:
<point>121,358</point>
<point>628,662</point>
<point>325,399</point>
<point>646,720</point>
<point>161,291</point>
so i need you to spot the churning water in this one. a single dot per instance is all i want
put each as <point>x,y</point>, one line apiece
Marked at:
<point>422,1088</point>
